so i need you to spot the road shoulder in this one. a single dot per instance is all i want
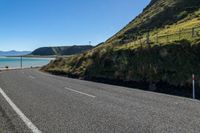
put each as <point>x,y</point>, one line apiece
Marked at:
<point>5,123</point>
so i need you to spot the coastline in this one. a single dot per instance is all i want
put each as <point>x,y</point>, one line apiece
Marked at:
<point>8,69</point>
<point>44,57</point>
<point>10,63</point>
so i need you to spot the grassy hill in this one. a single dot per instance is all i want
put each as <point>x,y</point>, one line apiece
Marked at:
<point>159,47</point>
<point>64,50</point>
<point>158,14</point>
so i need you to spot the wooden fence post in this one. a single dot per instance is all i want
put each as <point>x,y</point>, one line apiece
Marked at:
<point>148,41</point>
<point>156,37</point>
<point>193,32</point>
<point>167,38</point>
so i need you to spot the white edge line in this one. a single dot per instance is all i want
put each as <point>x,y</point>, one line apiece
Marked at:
<point>30,125</point>
<point>80,92</point>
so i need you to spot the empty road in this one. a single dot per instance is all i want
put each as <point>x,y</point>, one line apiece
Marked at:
<point>33,101</point>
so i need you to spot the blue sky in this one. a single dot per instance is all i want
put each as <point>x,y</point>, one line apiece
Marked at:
<point>29,24</point>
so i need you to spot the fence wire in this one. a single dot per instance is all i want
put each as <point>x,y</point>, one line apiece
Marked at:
<point>148,40</point>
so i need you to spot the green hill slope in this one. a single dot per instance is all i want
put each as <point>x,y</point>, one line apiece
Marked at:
<point>158,14</point>
<point>64,50</point>
<point>158,46</point>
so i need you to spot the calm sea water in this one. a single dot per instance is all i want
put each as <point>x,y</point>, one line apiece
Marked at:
<point>15,62</point>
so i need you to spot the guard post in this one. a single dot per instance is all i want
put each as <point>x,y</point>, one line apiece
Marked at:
<point>193,86</point>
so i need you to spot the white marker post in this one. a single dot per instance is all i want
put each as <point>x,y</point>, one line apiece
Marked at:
<point>193,85</point>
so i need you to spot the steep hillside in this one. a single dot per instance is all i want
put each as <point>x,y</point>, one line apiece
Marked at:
<point>160,46</point>
<point>157,14</point>
<point>64,50</point>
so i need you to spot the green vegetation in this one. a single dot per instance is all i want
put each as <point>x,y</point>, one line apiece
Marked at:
<point>173,63</point>
<point>64,50</point>
<point>156,16</point>
<point>171,58</point>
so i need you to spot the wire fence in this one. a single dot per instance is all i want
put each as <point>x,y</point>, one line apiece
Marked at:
<point>189,33</point>
<point>159,39</point>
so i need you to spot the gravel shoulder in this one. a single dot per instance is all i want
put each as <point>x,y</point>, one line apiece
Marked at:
<point>6,125</point>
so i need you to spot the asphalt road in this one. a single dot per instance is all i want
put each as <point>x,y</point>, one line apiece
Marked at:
<point>62,105</point>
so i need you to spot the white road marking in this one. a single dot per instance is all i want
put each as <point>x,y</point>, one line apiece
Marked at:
<point>29,124</point>
<point>80,92</point>
<point>31,77</point>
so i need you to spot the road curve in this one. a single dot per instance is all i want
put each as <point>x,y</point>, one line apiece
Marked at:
<point>63,105</point>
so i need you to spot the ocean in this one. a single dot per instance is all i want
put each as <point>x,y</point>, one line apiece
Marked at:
<point>15,62</point>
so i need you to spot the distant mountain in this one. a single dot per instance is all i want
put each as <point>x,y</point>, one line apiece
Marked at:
<point>63,50</point>
<point>14,53</point>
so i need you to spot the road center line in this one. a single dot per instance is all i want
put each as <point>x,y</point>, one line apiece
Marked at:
<point>29,124</point>
<point>31,77</point>
<point>80,92</point>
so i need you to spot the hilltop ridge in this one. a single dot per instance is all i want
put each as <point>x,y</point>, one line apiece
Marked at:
<point>157,14</point>
<point>62,50</point>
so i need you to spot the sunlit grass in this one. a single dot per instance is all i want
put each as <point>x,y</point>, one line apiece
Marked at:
<point>171,33</point>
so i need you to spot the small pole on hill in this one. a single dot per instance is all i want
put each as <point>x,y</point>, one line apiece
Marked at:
<point>148,39</point>
<point>167,38</point>
<point>179,34</point>
<point>193,85</point>
<point>193,32</point>
<point>156,37</point>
